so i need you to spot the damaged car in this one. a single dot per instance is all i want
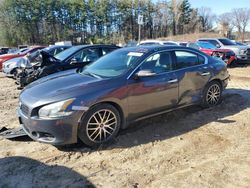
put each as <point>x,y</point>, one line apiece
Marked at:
<point>74,57</point>
<point>227,55</point>
<point>95,102</point>
<point>10,67</point>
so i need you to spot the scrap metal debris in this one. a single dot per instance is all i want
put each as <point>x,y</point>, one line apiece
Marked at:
<point>11,133</point>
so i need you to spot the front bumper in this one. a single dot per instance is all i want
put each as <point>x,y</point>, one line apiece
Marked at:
<point>60,131</point>
<point>7,71</point>
<point>243,57</point>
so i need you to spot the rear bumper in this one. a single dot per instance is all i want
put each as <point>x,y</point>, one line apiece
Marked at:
<point>60,131</point>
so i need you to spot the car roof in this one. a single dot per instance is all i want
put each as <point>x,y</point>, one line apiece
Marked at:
<point>155,48</point>
<point>96,45</point>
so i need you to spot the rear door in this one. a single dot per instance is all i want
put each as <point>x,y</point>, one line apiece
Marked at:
<point>193,73</point>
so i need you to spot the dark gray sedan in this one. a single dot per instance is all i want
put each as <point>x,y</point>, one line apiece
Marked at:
<point>127,85</point>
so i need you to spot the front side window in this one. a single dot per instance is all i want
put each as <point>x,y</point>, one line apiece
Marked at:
<point>158,63</point>
<point>187,59</point>
<point>87,55</point>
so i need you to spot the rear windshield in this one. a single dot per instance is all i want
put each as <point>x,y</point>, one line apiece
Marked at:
<point>227,42</point>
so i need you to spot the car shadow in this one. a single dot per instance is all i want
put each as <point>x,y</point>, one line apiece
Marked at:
<point>27,172</point>
<point>175,123</point>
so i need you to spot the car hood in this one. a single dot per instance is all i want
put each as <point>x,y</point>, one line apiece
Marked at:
<point>6,56</point>
<point>16,61</point>
<point>58,84</point>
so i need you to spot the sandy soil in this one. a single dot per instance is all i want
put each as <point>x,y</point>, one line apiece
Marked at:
<point>191,147</point>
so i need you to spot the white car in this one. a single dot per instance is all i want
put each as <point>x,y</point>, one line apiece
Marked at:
<point>156,42</point>
<point>10,66</point>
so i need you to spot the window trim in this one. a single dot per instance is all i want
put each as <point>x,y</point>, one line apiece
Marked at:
<point>171,51</point>
<point>197,54</point>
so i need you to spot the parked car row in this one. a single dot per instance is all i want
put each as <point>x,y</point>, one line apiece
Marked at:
<point>91,92</point>
<point>230,52</point>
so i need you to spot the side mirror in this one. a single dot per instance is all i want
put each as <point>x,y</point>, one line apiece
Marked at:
<point>144,73</point>
<point>73,61</point>
<point>218,46</point>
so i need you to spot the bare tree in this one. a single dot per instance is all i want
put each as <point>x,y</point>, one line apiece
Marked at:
<point>225,24</point>
<point>241,19</point>
<point>207,18</point>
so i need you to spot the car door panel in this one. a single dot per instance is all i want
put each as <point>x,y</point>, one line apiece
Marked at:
<point>192,80</point>
<point>147,95</point>
<point>152,94</point>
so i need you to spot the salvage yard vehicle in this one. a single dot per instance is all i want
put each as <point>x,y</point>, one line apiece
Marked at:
<point>74,57</point>
<point>157,42</point>
<point>242,52</point>
<point>10,67</point>
<point>7,57</point>
<point>93,103</point>
<point>228,56</point>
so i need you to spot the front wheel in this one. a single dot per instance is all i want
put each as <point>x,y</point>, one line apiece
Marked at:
<point>100,125</point>
<point>212,94</point>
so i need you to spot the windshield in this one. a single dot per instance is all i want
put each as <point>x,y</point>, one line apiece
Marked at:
<point>113,64</point>
<point>227,42</point>
<point>206,45</point>
<point>66,53</point>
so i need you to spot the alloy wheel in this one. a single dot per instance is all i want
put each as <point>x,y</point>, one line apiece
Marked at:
<point>213,94</point>
<point>101,125</point>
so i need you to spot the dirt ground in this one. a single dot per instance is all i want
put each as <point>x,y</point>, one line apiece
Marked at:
<point>192,147</point>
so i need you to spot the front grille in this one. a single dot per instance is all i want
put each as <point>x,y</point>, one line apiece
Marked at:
<point>24,109</point>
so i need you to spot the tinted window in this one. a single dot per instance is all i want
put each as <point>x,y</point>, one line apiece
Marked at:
<point>227,42</point>
<point>214,42</point>
<point>107,50</point>
<point>87,55</point>
<point>193,45</point>
<point>66,53</point>
<point>187,59</point>
<point>158,63</point>
<point>170,43</point>
<point>206,45</point>
<point>149,43</point>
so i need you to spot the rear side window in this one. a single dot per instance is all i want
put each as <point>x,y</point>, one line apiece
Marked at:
<point>214,42</point>
<point>186,59</point>
<point>107,50</point>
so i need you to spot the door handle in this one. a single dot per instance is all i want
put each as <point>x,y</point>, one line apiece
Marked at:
<point>172,81</point>
<point>205,73</point>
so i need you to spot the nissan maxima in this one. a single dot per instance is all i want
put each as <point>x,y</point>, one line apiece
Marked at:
<point>93,103</point>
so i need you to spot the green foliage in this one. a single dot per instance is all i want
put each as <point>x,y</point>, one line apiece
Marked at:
<point>86,21</point>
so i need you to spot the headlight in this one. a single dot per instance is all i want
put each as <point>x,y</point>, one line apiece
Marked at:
<point>54,110</point>
<point>242,52</point>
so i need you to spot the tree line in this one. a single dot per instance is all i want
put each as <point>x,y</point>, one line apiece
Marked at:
<point>97,21</point>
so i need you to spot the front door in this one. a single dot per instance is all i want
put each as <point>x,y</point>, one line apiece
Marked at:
<point>154,93</point>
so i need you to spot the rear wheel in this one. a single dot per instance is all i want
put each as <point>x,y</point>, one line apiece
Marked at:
<point>100,125</point>
<point>212,94</point>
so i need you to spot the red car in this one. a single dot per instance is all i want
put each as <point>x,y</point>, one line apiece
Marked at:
<point>7,57</point>
<point>228,56</point>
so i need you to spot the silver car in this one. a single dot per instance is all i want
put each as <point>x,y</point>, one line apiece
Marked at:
<point>242,52</point>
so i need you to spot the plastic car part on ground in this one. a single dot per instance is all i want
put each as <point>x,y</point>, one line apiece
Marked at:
<point>11,133</point>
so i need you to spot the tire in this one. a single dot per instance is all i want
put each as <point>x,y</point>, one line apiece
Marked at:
<point>100,125</point>
<point>212,94</point>
<point>14,72</point>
